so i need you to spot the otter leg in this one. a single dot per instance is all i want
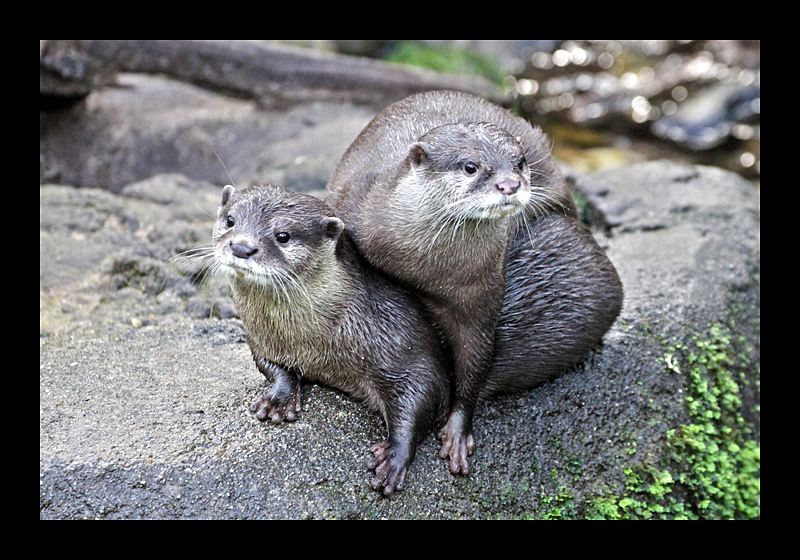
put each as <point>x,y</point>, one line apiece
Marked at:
<point>471,337</point>
<point>391,462</point>
<point>282,401</point>
<point>409,417</point>
<point>458,442</point>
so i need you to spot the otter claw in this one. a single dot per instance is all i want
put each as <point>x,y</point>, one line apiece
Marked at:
<point>390,468</point>
<point>457,446</point>
<point>277,407</point>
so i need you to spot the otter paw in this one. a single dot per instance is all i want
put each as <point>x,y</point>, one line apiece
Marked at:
<point>277,406</point>
<point>458,446</point>
<point>390,468</point>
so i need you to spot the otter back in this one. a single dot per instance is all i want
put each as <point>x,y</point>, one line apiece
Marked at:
<point>433,197</point>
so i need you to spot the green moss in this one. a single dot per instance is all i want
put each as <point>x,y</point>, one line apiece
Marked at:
<point>582,204</point>
<point>722,460</point>
<point>560,506</point>
<point>711,467</point>
<point>453,60</point>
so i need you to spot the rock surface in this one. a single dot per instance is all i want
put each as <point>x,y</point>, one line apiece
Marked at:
<point>146,378</point>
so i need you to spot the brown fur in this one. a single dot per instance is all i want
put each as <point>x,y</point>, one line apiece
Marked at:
<point>313,309</point>
<point>481,267</point>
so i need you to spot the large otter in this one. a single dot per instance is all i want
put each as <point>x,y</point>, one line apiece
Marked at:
<point>460,201</point>
<point>313,309</point>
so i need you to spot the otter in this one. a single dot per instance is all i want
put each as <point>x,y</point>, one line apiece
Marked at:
<point>459,201</point>
<point>313,309</point>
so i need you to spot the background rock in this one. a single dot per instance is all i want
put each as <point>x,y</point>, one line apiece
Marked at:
<point>145,375</point>
<point>178,105</point>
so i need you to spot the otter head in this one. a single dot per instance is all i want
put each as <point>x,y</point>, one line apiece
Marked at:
<point>271,237</point>
<point>475,170</point>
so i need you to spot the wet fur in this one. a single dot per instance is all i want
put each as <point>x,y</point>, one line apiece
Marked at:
<point>315,310</point>
<point>562,294</point>
<point>519,298</point>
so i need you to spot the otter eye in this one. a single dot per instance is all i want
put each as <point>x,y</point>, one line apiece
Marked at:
<point>230,221</point>
<point>283,237</point>
<point>471,168</point>
<point>521,163</point>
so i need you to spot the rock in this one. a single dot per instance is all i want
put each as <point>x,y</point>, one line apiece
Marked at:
<point>153,124</point>
<point>278,74</point>
<point>152,421</point>
<point>701,254</point>
<point>67,73</point>
<point>146,378</point>
<point>171,111</point>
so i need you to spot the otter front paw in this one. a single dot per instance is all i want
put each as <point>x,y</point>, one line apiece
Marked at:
<point>278,405</point>
<point>458,445</point>
<point>390,466</point>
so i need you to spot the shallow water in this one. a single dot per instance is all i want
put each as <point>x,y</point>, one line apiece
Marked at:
<point>609,103</point>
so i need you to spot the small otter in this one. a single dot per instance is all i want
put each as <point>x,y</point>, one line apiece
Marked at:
<point>313,309</point>
<point>460,202</point>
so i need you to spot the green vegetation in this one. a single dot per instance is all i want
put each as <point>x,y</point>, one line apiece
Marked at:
<point>712,465</point>
<point>450,59</point>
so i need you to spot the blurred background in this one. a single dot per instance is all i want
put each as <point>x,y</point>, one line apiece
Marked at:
<point>603,103</point>
<point>610,103</point>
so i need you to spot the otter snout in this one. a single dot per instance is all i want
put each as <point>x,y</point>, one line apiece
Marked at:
<point>508,187</point>
<point>242,250</point>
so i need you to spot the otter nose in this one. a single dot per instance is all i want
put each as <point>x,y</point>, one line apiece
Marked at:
<point>242,250</point>
<point>508,187</point>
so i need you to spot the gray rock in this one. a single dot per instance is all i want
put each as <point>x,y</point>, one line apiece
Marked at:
<point>146,378</point>
<point>67,73</point>
<point>266,112</point>
<point>153,124</point>
<point>143,407</point>
<point>278,74</point>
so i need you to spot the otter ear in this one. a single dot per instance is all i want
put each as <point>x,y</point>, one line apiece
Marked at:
<point>417,154</point>
<point>333,227</point>
<point>227,192</point>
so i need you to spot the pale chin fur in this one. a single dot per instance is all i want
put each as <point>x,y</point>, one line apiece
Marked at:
<point>492,206</point>
<point>250,272</point>
<point>497,205</point>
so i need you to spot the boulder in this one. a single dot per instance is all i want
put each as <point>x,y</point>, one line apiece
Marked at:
<point>146,377</point>
<point>143,399</point>
<point>264,111</point>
